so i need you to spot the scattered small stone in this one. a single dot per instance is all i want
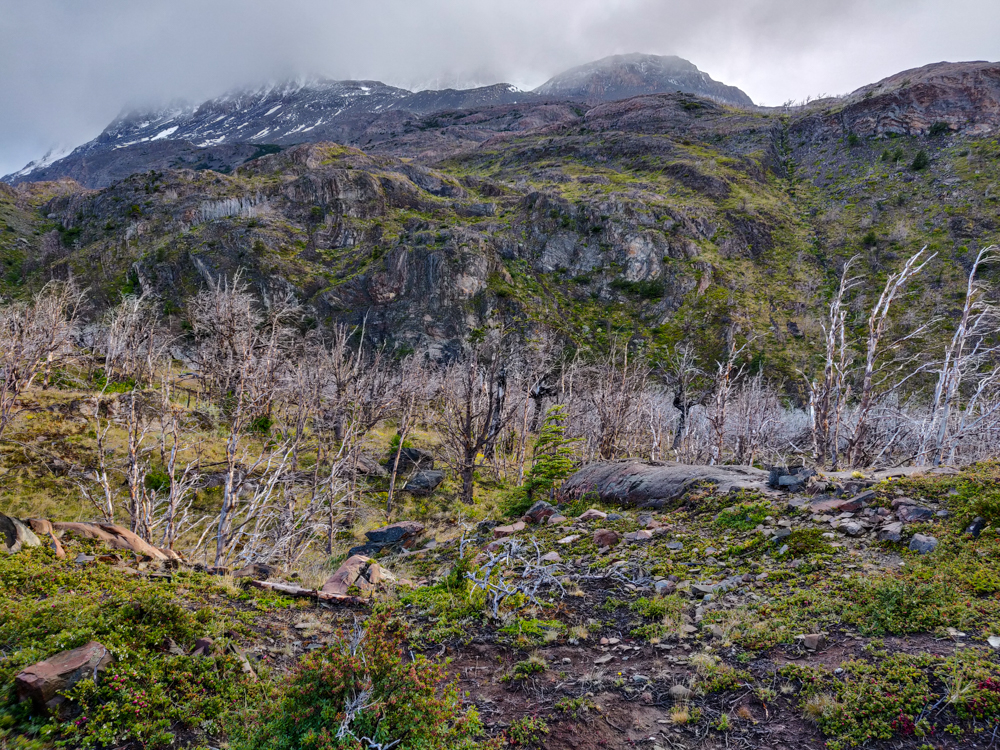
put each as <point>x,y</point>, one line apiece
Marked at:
<point>675,546</point>
<point>814,641</point>
<point>664,588</point>
<point>852,528</point>
<point>994,641</point>
<point>923,544</point>
<point>911,513</point>
<point>604,659</point>
<point>501,531</point>
<point>540,511</point>
<point>780,534</point>
<point>551,557</point>
<point>568,539</point>
<point>592,514</point>
<point>976,527</point>
<point>553,520</point>
<point>891,532</point>
<point>643,535</point>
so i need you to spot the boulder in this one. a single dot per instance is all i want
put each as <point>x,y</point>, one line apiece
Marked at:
<point>540,511</point>
<point>592,514</point>
<point>14,535</point>
<point>359,571</point>
<point>923,544</point>
<point>410,459</point>
<point>402,532</point>
<point>651,485</point>
<point>424,482</point>
<point>606,538</point>
<point>911,513</point>
<point>41,683</point>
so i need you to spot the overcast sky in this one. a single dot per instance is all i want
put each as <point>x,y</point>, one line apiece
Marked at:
<point>68,67</point>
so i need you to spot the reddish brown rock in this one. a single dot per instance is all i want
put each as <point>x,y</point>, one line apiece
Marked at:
<point>41,683</point>
<point>606,538</point>
<point>359,571</point>
<point>501,531</point>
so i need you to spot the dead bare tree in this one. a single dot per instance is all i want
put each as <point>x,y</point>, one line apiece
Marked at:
<point>473,406</point>
<point>182,475</point>
<point>34,336</point>
<point>132,341</point>
<point>614,388</point>
<point>880,377</point>
<point>142,502</point>
<point>412,394</point>
<point>965,357</point>
<point>98,487</point>
<point>242,348</point>
<point>726,374</point>
<point>828,396</point>
<point>680,371</point>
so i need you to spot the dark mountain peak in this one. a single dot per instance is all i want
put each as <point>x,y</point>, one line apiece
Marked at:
<point>624,76</point>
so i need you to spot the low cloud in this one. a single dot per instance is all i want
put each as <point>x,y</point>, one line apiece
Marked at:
<point>67,68</point>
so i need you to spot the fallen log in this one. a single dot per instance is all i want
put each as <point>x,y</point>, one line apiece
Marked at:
<point>297,591</point>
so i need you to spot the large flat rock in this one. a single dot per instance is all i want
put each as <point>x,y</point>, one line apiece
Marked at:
<point>640,484</point>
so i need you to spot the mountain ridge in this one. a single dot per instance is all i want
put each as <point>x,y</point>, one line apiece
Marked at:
<point>320,109</point>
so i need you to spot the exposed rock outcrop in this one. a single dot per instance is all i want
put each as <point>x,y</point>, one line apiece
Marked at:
<point>647,485</point>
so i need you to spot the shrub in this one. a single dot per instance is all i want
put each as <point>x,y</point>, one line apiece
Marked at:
<point>893,605</point>
<point>743,517</point>
<point>361,687</point>
<point>938,129</point>
<point>920,161</point>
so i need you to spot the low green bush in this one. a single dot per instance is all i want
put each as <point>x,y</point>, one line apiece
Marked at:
<point>361,687</point>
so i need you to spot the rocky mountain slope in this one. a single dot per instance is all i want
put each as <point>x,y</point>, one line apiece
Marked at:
<point>218,133</point>
<point>664,216</point>
<point>625,76</point>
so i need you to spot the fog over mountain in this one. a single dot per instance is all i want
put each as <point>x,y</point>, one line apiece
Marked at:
<point>67,70</point>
